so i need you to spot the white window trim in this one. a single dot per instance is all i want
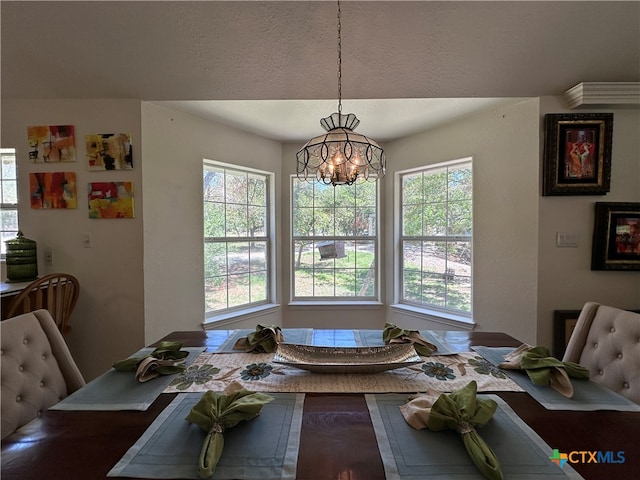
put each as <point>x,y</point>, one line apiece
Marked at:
<point>427,313</point>
<point>337,302</point>
<point>234,315</point>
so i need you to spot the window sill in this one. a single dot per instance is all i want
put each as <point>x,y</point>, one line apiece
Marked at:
<point>460,322</point>
<point>217,321</point>
<point>336,305</point>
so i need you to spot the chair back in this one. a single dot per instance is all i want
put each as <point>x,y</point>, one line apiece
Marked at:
<point>606,340</point>
<point>56,292</point>
<point>37,369</point>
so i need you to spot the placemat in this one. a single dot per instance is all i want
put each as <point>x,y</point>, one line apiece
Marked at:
<point>258,372</point>
<point>587,395</point>
<point>373,338</point>
<point>265,447</point>
<point>291,335</point>
<point>115,390</point>
<point>410,454</point>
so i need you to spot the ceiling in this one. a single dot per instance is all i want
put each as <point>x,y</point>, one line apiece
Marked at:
<point>271,67</point>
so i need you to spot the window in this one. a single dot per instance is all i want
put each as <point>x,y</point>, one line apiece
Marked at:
<point>436,237</point>
<point>335,242</point>
<point>237,237</point>
<point>9,195</point>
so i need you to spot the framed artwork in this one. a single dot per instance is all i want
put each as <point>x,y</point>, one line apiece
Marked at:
<point>52,144</point>
<point>577,154</point>
<point>616,236</point>
<point>53,190</point>
<point>564,322</point>
<point>109,151</point>
<point>111,200</point>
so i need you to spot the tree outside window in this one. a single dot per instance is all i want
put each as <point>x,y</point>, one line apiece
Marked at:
<point>237,242</point>
<point>436,237</point>
<point>335,241</point>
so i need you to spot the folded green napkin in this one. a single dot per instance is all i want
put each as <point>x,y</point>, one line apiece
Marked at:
<point>216,413</point>
<point>461,411</point>
<point>166,359</point>
<point>394,334</point>
<point>263,340</point>
<point>543,369</point>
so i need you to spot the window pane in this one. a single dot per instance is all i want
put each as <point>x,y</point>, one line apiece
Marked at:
<point>9,192</point>
<point>236,209</point>
<point>460,218</point>
<point>236,221</point>
<point>338,264</point>
<point>214,222</point>
<point>257,221</point>
<point>215,259</point>
<point>437,203</point>
<point>435,219</point>
<point>213,183</point>
<point>412,189</point>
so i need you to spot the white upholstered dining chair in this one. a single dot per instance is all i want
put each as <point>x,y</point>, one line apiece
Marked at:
<point>606,340</point>
<point>37,368</point>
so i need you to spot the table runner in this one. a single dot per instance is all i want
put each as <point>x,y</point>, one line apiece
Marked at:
<point>115,390</point>
<point>373,338</point>
<point>587,395</point>
<point>258,372</point>
<point>291,335</point>
<point>410,454</point>
<point>265,447</point>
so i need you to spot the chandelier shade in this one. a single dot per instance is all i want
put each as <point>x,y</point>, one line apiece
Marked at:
<point>340,156</point>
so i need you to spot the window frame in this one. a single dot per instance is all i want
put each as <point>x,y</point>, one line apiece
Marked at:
<point>445,315</point>
<point>250,308</point>
<point>367,300</point>
<point>8,207</point>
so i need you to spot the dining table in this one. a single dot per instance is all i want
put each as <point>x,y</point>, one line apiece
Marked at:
<point>337,439</point>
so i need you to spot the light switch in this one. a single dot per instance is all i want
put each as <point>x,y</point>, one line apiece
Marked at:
<point>567,239</point>
<point>86,240</point>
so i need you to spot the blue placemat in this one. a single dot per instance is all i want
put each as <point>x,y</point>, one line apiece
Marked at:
<point>587,395</point>
<point>115,390</point>
<point>410,454</point>
<point>373,338</point>
<point>291,335</point>
<point>265,447</point>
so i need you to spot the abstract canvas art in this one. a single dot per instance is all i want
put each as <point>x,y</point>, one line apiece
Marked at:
<point>109,151</point>
<point>111,200</point>
<point>53,190</point>
<point>52,144</point>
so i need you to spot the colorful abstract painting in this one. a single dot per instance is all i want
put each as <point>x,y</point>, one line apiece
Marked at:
<point>52,144</point>
<point>111,200</point>
<point>109,151</point>
<point>53,190</point>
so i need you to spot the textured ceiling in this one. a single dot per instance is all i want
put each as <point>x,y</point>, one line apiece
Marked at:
<point>238,50</point>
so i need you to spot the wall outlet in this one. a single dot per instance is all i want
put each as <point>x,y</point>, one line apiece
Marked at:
<point>86,240</point>
<point>48,257</point>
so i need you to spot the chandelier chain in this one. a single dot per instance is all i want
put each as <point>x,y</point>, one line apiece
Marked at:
<point>339,60</point>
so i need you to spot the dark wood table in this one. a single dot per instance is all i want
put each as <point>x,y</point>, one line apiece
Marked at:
<point>337,440</point>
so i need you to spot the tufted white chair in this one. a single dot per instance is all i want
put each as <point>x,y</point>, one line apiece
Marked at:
<point>606,340</point>
<point>37,368</point>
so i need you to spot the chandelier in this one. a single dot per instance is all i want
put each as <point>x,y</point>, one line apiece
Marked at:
<point>340,156</point>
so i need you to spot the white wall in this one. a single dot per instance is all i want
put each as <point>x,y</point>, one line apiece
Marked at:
<point>108,322</point>
<point>503,143</point>
<point>565,278</point>
<point>174,146</point>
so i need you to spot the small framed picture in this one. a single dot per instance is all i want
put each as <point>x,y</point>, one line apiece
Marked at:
<point>616,236</point>
<point>577,154</point>
<point>564,322</point>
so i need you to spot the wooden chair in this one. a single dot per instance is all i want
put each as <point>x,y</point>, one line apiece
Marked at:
<point>56,292</point>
